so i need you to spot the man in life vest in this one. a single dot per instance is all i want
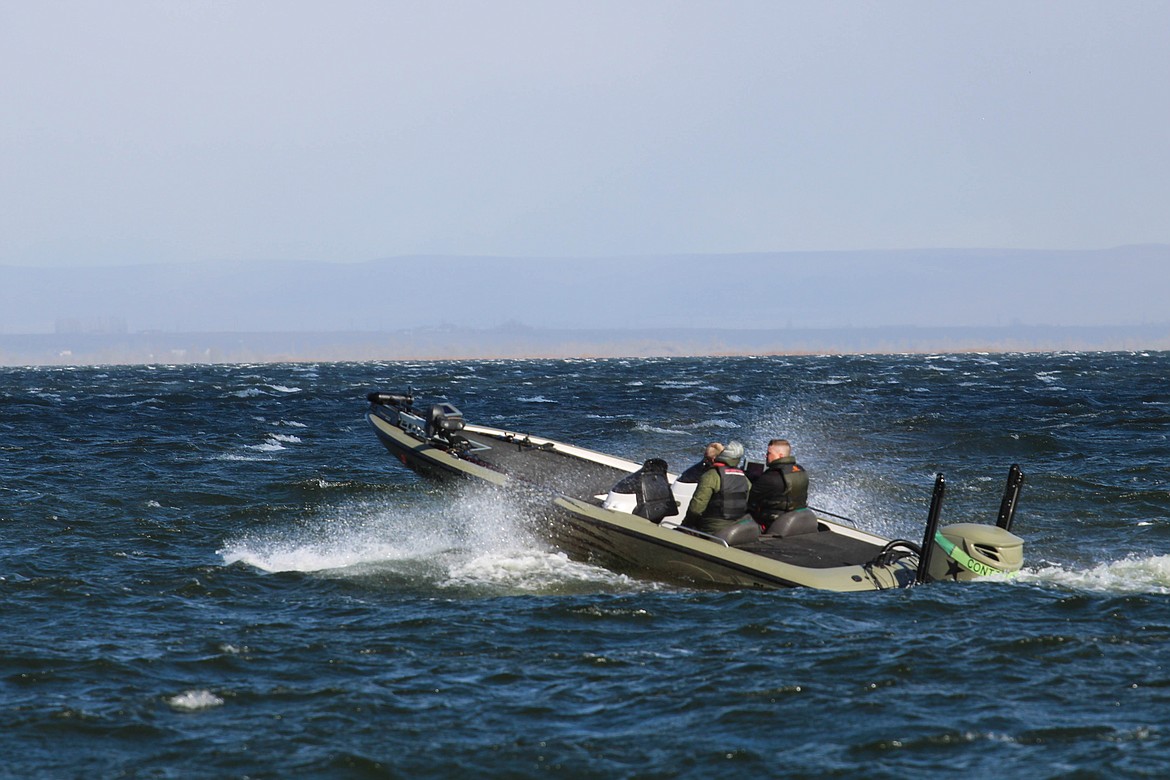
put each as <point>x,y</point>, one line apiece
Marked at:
<point>721,497</point>
<point>782,487</point>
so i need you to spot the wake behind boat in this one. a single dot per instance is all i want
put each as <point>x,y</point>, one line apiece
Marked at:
<point>625,515</point>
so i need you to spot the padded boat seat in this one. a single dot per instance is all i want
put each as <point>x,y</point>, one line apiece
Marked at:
<point>794,523</point>
<point>742,532</point>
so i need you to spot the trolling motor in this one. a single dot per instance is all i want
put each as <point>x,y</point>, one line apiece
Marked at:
<point>401,401</point>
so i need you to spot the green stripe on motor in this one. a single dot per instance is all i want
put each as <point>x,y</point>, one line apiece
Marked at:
<point>962,558</point>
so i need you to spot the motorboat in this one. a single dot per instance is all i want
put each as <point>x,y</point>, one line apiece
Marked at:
<point>625,515</point>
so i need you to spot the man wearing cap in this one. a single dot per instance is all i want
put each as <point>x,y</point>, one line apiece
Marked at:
<point>721,497</point>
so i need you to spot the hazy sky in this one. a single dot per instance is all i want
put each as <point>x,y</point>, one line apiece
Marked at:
<point>143,132</point>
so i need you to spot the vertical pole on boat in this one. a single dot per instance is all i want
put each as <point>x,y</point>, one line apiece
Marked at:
<point>1011,494</point>
<point>936,500</point>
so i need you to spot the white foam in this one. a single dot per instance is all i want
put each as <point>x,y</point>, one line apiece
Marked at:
<point>524,569</point>
<point>275,442</point>
<point>1129,575</point>
<point>655,429</point>
<point>475,538</point>
<point>714,423</point>
<point>270,445</point>
<point>191,701</point>
<point>347,540</point>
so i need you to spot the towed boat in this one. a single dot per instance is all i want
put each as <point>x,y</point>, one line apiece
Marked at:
<point>625,515</point>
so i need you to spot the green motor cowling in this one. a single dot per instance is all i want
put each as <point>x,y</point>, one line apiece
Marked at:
<point>971,550</point>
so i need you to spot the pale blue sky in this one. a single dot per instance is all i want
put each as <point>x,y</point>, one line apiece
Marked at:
<point>147,132</point>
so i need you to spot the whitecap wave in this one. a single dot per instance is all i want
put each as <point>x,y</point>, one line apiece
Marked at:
<point>716,423</point>
<point>275,442</point>
<point>270,445</point>
<point>643,427</point>
<point>191,701</point>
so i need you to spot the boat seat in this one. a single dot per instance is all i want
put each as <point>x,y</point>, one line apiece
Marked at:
<point>741,532</point>
<point>652,490</point>
<point>794,523</point>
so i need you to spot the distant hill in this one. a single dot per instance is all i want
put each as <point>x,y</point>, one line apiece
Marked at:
<point>924,288</point>
<point>879,301</point>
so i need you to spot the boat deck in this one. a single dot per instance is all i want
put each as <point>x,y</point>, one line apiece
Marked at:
<point>584,480</point>
<point>823,550</point>
<point>543,466</point>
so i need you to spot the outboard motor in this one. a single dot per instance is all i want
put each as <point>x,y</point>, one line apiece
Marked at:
<point>966,551</point>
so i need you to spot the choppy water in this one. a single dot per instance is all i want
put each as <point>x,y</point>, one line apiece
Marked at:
<point>216,571</point>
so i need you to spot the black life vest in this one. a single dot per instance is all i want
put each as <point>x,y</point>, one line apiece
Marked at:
<point>730,501</point>
<point>795,483</point>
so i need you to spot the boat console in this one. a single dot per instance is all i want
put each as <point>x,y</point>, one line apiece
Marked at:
<point>444,420</point>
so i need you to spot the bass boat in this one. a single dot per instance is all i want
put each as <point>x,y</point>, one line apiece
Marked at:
<point>625,515</point>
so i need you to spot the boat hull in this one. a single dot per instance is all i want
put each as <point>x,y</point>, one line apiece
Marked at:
<point>631,544</point>
<point>579,525</point>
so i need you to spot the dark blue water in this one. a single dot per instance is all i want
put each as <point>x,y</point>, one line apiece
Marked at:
<point>216,571</point>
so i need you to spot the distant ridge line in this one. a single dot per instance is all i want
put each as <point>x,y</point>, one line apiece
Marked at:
<point>826,289</point>
<point>516,340</point>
